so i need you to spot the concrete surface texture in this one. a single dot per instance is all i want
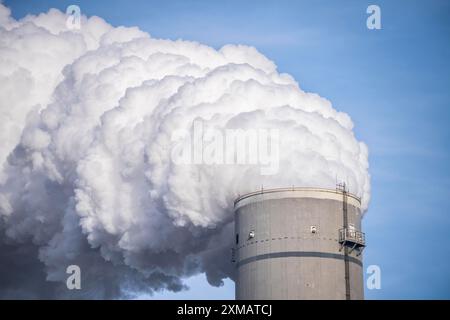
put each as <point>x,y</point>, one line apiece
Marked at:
<point>287,245</point>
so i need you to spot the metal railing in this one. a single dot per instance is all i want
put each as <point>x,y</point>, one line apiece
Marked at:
<point>272,190</point>
<point>352,236</point>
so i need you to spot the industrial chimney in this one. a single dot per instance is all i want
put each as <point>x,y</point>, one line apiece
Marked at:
<point>298,243</point>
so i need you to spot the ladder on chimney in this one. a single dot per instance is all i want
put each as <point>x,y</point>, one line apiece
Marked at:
<point>341,187</point>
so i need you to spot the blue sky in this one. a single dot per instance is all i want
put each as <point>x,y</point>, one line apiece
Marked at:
<point>393,82</point>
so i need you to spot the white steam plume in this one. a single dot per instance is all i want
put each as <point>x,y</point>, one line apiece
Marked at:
<point>88,120</point>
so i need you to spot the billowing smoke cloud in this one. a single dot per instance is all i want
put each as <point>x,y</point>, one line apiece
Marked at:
<point>87,138</point>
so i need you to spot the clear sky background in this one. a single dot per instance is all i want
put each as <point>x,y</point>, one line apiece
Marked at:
<point>393,82</point>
